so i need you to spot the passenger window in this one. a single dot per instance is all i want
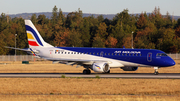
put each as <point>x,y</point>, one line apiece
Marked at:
<point>129,54</point>
<point>97,53</point>
<point>122,54</point>
<point>119,54</point>
<point>112,54</point>
<point>104,53</point>
<point>116,54</point>
<point>108,53</point>
<point>93,53</point>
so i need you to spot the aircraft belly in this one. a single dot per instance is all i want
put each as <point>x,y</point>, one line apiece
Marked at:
<point>131,64</point>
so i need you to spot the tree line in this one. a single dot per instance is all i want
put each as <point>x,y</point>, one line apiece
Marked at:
<point>151,31</point>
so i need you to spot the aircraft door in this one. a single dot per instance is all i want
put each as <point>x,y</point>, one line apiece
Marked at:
<point>51,53</point>
<point>149,57</point>
<point>101,54</point>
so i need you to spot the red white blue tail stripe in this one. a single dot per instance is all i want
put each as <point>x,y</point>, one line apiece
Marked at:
<point>33,38</point>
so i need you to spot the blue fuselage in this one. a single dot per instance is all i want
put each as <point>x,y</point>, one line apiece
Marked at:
<point>149,57</point>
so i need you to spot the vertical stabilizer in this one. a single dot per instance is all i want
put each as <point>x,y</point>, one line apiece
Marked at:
<point>34,38</point>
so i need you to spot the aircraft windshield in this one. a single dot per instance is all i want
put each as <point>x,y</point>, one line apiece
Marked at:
<point>161,54</point>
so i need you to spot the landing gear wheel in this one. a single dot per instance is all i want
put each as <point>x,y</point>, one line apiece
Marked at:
<point>156,70</point>
<point>107,72</point>
<point>156,73</point>
<point>86,71</point>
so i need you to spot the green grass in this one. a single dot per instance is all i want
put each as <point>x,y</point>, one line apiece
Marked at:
<point>97,76</point>
<point>63,76</point>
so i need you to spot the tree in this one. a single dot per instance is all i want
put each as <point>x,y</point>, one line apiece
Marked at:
<point>98,42</point>
<point>157,18</point>
<point>142,22</point>
<point>85,33</point>
<point>60,18</point>
<point>42,19</point>
<point>147,37</point>
<point>100,18</point>
<point>168,39</point>
<point>178,23</point>
<point>127,41</point>
<point>101,31</point>
<point>61,38</point>
<point>168,21</point>
<point>177,31</point>
<point>111,42</point>
<point>34,19</point>
<point>124,17</point>
<point>74,39</point>
<point>54,15</point>
<point>118,33</point>
<point>74,20</point>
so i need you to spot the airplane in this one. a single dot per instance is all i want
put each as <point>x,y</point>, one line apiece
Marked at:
<point>96,59</point>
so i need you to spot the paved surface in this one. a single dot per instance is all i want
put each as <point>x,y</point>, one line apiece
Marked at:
<point>111,75</point>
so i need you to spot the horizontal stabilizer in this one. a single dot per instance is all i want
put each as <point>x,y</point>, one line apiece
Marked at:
<point>25,49</point>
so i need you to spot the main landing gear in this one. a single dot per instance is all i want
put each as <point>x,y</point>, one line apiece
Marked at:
<point>107,72</point>
<point>86,71</point>
<point>156,70</point>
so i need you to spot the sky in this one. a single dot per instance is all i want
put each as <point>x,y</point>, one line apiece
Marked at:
<point>90,6</point>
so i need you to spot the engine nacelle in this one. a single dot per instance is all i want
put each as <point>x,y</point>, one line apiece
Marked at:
<point>129,68</point>
<point>100,67</point>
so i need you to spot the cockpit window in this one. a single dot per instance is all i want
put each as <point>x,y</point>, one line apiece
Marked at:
<point>161,54</point>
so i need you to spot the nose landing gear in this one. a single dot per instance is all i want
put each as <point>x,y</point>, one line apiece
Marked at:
<point>156,70</point>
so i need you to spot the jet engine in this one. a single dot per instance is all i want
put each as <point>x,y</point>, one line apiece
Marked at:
<point>100,67</point>
<point>129,68</point>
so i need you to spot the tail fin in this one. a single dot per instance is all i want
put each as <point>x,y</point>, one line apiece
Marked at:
<point>34,38</point>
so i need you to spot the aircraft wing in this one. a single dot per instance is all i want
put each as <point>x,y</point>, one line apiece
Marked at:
<point>74,61</point>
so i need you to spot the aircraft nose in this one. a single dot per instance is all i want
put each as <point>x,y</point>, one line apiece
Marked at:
<point>173,63</point>
<point>170,62</point>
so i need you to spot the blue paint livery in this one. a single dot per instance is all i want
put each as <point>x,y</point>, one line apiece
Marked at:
<point>141,56</point>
